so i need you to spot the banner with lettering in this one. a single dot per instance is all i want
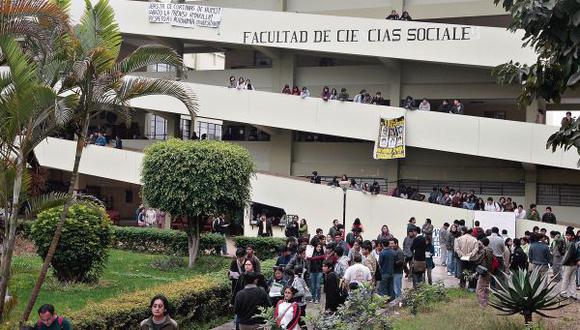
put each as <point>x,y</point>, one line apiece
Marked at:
<point>390,143</point>
<point>185,15</point>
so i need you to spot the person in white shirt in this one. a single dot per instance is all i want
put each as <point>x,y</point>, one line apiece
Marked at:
<point>520,212</point>
<point>304,93</point>
<point>492,206</point>
<point>357,273</point>
<point>425,105</point>
<point>358,98</point>
<point>241,83</point>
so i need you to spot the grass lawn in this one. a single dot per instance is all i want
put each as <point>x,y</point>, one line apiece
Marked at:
<point>463,312</point>
<point>126,271</point>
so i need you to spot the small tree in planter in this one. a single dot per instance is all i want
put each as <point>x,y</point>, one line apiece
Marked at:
<point>525,293</point>
<point>196,178</point>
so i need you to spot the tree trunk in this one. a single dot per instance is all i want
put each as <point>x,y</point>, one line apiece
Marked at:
<point>192,240</point>
<point>55,239</point>
<point>527,317</point>
<point>10,235</point>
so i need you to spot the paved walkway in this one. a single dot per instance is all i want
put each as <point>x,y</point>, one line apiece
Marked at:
<point>439,273</point>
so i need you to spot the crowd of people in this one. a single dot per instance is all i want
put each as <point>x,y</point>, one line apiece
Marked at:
<point>240,83</point>
<point>100,139</point>
<point>339,261</point>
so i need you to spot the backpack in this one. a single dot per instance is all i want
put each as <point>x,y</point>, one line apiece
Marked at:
<point>59,319</point>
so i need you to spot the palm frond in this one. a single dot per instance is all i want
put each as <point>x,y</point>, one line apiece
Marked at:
<point>134,87</point>
<point>46,201</point>
<point>149,55</point>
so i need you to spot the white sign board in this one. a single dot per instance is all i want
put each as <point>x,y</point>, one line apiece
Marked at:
<point>184,15</point>
<point>501,220</point>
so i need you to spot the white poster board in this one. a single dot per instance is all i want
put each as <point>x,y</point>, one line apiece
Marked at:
<point>501,220</point>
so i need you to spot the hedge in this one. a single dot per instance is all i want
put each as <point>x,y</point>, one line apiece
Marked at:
<point>264,247</point>
<point>153,240</point>
<point>201,298</point>
<point>198,299</point>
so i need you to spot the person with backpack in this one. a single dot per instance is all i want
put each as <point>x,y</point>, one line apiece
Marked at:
<point>48,320</point>
<point>569,264</point>
<point>484,269</point>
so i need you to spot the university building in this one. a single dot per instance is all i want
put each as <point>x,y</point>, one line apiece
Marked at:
<point>448,51</point>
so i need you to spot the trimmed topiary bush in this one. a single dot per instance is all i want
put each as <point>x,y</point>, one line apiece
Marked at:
<point>82,252</point>
<point>264,247</point>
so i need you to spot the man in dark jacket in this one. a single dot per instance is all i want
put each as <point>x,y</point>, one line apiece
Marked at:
<point>418,265</point>
<point>247,302</point>
<point>539,254</point>
<point>331,288</point>
<point>387,264</point>
<point>549,217</point>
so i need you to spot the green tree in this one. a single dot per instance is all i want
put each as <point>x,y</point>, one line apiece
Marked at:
<point>30,108</point>
<point>193,179</point>
<point>552,28</point>
<point>83,250</point>
<point>99,77</point>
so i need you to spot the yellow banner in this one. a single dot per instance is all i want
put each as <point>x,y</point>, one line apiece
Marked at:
<point>390,142</point>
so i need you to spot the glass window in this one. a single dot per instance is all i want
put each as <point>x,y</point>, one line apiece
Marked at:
<point>211,131</point>
<point>185,128</point>
<point>157,128</point>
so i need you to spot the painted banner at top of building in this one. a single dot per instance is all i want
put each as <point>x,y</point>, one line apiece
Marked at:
<point>185,15</point>
<point>390,143</point>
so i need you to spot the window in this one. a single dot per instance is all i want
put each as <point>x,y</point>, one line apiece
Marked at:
<point>128,196</point>
<point>157,128</point>
<point>185,128</point>
<point>160,67</point>
<point>211,131</point>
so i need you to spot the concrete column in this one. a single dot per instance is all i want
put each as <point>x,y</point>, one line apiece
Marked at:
<point>392,173</point>
<point>281,152</point>
<point>531,184</point>
<point>283,68</point>
<point>394,72</point>
<point>167,223</point>
<point>532,111</point>
<point>173,130</point>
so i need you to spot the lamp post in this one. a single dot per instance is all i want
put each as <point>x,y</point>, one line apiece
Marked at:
<point>344,185</point>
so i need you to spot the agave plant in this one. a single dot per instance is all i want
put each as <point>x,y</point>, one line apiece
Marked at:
<point>526,293</point>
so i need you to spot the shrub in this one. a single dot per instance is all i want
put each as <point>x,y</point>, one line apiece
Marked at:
<point>423,295</point>
<point>264,247</point>
<point>201,298</point>
<point>24,228</point>
<point>153,240</point>
<point>81,253</point>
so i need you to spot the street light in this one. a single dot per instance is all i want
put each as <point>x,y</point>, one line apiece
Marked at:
<point>344,185</point>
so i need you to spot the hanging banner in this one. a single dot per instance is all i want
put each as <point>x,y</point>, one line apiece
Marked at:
<point>185,15</point>
<point>390,142</point>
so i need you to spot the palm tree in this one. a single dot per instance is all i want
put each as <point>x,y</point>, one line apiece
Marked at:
<point>30,110</point>
<point>525,293</point>
<point>102,83</point>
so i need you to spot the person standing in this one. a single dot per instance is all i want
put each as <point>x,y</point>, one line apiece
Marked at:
<point>287,312</point>
<point>443,243</point>
<point>49,320</point>
<point>569,263</point>
<point>159,316</point>
<point>398,270</point>
<point>342,262</point>
<point>334,229</point>
<point>539,254</point>
<point>458,107</point>
<point>236,271</point>
<point>315,271</point>
<point>518,258</point>
<point>357,272</point>
<point>247,302</point>
<point>331,287</point>
<point>450,243</point>
<point>387,264</point>
<point>466,247</point>
<point>220,226</point>
<point>250,255</point>
<point>485,260</point>
<point>418,265</point>
<point>429,253</point>
<point>407,243</point>
<point>368,259</point>
<point>497,245</point>
<point>557,248</point>
<point>427,228</point>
